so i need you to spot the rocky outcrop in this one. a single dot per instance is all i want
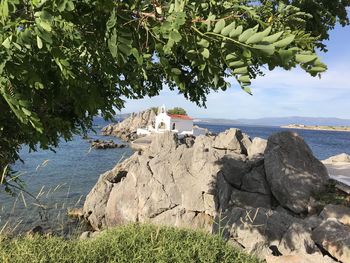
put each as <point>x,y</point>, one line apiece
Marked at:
<point>99,144</point>
<point>292,171</point>
<point>340,158</point>
<point>212,183</point>
<point>126,129</point>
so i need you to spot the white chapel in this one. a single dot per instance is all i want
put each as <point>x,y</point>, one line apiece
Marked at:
<point>180,124</point>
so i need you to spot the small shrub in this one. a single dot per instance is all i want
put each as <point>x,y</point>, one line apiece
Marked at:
<point>177,110</point>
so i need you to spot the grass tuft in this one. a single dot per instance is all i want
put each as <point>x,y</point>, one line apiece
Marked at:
<point>333,196</point>
<point>130,243</point>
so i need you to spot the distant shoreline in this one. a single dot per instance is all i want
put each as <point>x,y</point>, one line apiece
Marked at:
<point>317,128</point>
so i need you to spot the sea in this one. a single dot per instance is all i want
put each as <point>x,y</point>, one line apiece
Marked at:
<point>60,180</point>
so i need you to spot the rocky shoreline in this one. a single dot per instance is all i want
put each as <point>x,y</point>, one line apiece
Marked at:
<point>318,128</point>
<point>126,129</point>
<point>260,195</point>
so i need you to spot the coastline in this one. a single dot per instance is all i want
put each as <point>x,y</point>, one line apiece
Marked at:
<point>316,128</point>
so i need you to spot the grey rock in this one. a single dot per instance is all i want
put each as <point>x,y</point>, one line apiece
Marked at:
<point>334,238</point>
<point>255,229</point>
<point>300,258</point>
<point>164,142</point>
<point>232,140</point>
<point>257,147</point>
<point>234,166</point>
<point>95,203</point>
<point>292,171</point>
<point>249,200</point>
<point>338,212</point>
<point>297,239</point>
<point>255,181</point>
<point>312,222</point>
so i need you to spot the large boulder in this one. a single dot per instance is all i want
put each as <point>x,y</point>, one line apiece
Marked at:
<point>232,140</point>
<point>334,238</point>
<point>293,172</point>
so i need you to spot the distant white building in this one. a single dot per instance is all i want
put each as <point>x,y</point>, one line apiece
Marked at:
<point>180,124</point>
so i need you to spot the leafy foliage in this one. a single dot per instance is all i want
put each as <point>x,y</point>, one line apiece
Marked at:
<point>177,110</point>
<point>64,61</point>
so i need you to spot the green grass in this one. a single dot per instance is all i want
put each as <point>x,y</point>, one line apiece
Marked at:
<point>333,196</point>
<point>130,243</point>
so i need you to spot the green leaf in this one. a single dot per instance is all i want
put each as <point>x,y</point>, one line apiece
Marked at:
<point>305,58</point>
<point>266,49</point>
<point>267,31</point>
<point>231,56</point>
<point>273,38</point>
<point>244,79</point>
<point>205,53</point>
<point>246,34</point>
<point>38,85</point>
<point>176,71</point>
<point>17,46</point>
<point>219,26</point>
<point>284,42</point>
<point>4,8</point>
<point>125,49</point>
<point>70,6</point>
<point>286,56</point>
<point>238,31</point>
<point>242,70</point>
<point>39,42</point>
<point>317,69</point>
<point>247,53</point>
<point>7,42</point>
<point>247,89</point>
<point>111,21</point>
<point>255,38</point>
<point>235,64</point>
<point>203,43</point>
<point>23,103</point>
<point>45,25</point>
<point>27,112</point>
<point>228,29</point>
<point>175,35</point>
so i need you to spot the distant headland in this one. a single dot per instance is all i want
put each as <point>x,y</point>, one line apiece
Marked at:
<point>316,127</point>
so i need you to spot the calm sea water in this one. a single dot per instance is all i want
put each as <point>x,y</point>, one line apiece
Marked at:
<point>61,180</point>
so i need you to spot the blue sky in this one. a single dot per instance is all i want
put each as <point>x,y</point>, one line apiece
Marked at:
<point>279,93</point>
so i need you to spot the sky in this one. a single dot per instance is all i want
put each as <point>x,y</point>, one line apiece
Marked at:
<point>279,93</point>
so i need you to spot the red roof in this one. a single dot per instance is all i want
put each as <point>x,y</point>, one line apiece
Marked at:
<point>179,116</point>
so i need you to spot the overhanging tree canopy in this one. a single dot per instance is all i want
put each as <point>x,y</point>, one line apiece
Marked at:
<point>64,61</point>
